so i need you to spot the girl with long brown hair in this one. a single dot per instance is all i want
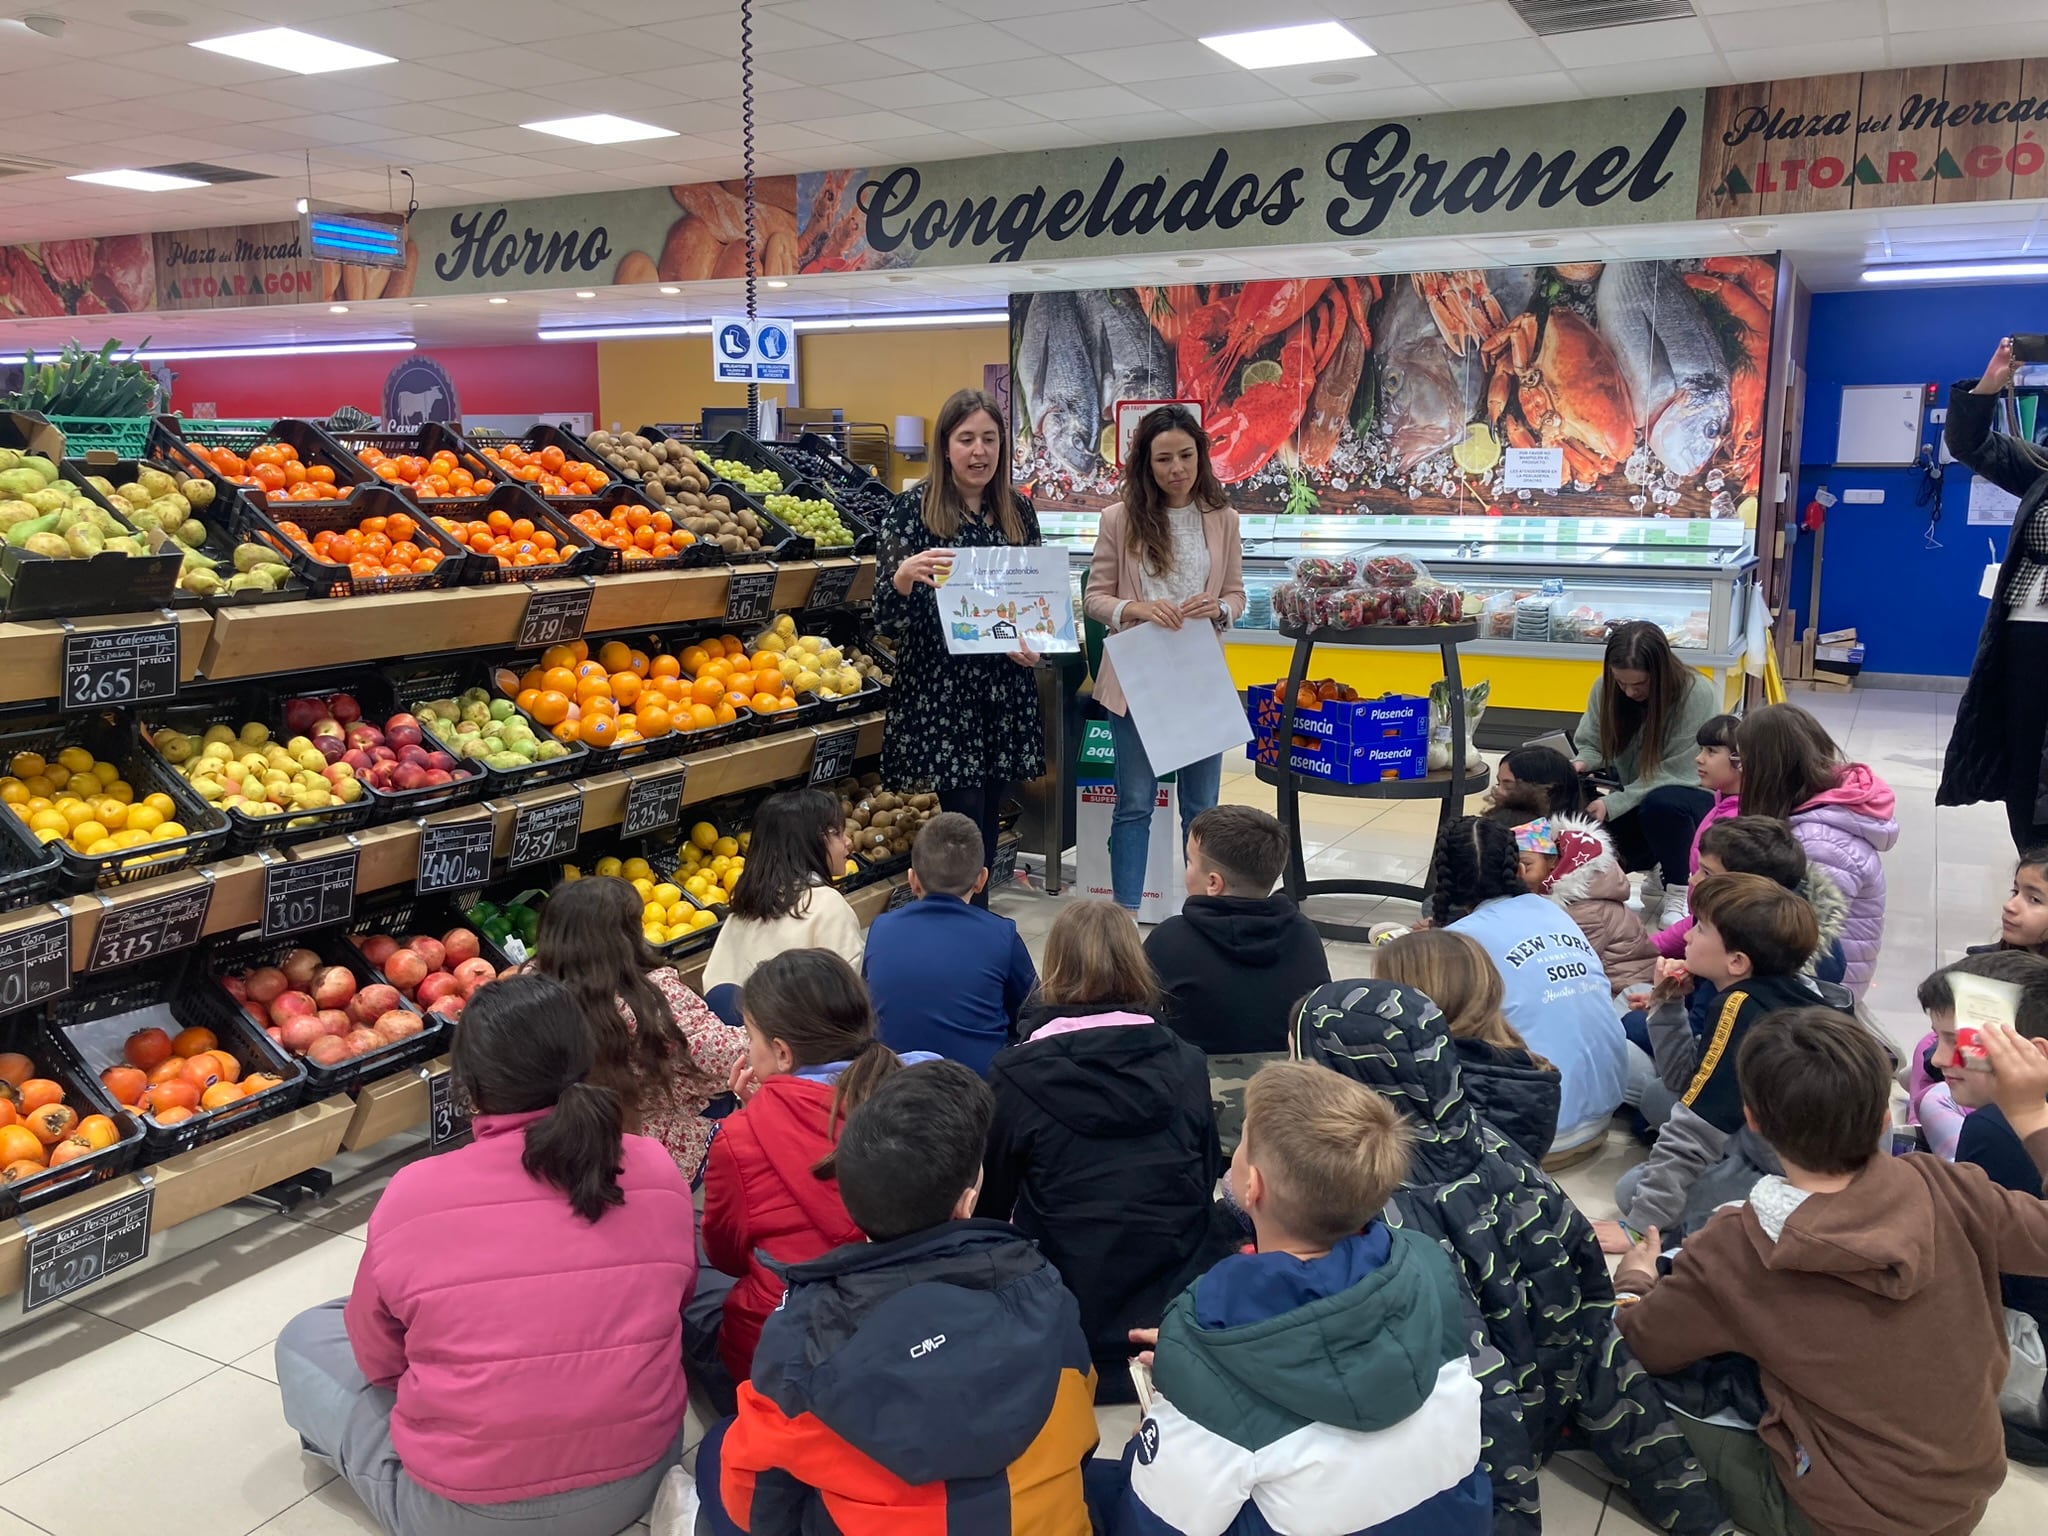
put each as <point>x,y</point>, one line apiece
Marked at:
<point>1641,726</point>
<point>1168,554</point>
<point>968,726</point>
<point>658,1048</point>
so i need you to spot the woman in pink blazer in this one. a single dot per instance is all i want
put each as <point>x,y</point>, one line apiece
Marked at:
<point>1167,554</point>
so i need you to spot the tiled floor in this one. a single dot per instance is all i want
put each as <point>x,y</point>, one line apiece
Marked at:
<point>149,1405</point>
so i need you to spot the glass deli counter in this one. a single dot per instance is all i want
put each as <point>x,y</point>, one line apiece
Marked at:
<point>1545,590</point>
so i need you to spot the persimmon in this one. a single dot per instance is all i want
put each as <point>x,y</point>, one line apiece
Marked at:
<point>98,1131</point>
<point>191,1041</point>
<point>35,1093</point>
<point>124,1084</point>
<point>16,1068</point>
<point>52,1123</point>
<point>19,1144</point>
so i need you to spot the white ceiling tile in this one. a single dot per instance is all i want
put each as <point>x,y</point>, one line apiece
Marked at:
<point>1090,101</point>
<point>499,141</point>
<point>420,117</point>
<point>178,63</point>
<point>794,107</point>
<point>717,36</point>
<point>956,47</point>
<point>777,137</point>
<point>1442,26</point>
<point>858,19</point>
<point>1183,61</point>
<point>1964,44</point>
<point>1784,26</point>
<point>1010,10</point>
<point>906,92</point>
<point>646,96</point>
<point>508,165</point>
<point>1324,79</point>
<point>1216,91</point>
<point>1366,106</point>
<point>640,13</point>
<point>1619,45</point>
<point>422,149</point>
<point>1136,128</point>
<point>973,116</point>
<point>1914,16</point>
<point>931,146</point>
<point>509,108</point>
<point>1727,7</point>
<point>866,127</point>
<point>508,21</point>
<point>1510,91</point>
<point>836,64</point>
<point>1248,117</point>
<point>1205,18</point>
<point>1002,79</point>
<point>1432,65</point>
<point>1655,75</point>
<point>1839,57</point>
<point>1094,29</point>
<point>1031,136</point>
<point>417,33</point>
<point>637,50</point>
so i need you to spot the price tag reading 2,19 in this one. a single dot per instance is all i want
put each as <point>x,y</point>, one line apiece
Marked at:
<point>35,964</point>
<point>87,1249</point>
<point>120,666</point>
<point>447,1121</point>
<point>654,802</point>
<point>832,585</point>
<point>146,929</point>
<point>542,832</point>
<point>833,756</point>
<point>456,855</point>
<point>749,596</point>
<point>302,894</point>
<point>554,617</point>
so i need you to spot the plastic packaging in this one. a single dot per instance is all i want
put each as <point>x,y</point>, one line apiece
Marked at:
<point>1302,606</point>
<point>1391,571</point>
<point>1326,572</point>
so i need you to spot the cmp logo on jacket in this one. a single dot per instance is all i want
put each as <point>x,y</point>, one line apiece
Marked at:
<point>929,1346</point>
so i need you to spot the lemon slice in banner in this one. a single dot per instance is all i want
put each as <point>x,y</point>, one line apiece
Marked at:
<point>1105,445</point>
<point>1264,371</point>
<point>1747,511</point>
<point>1477,451</point>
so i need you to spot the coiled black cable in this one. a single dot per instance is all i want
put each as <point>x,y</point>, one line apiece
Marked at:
<point>747,170</point>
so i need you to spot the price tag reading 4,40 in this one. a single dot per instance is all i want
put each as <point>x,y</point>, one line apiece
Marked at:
<point>654,803</point>
<point>554,617</point>
<point>542,832</point>
<point>120,666</point>
<point>749,596</point>
<point>455,856</point>
<point>302,894</point>
<point>833,756</point>
<point>35,964</point>
<point>447,1120</point>
<point>150,928</point>
<point>829,589</point>
<point>87,1249</point>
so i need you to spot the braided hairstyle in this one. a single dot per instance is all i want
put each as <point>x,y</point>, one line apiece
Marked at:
<point>1474,862</point>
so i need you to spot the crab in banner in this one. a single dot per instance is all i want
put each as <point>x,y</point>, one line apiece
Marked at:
<point>1746,288</point>
<point>1555,384</point>
<point>1463,306</point>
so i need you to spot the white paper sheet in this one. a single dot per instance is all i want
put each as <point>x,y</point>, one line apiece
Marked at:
<point>1534,469</point>
<point>1178,690</point>
<point>1991,507</point>
<point>996,598</point>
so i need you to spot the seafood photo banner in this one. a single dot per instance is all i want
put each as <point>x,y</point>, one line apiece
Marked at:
<point>1402,392</point>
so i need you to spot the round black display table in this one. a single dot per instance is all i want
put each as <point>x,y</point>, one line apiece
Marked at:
<point>1450,787</point>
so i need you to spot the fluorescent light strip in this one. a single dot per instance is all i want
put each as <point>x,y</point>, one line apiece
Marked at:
<point>307,349</point>
<point>835,323</point>
<point>620,332</point>
<point>137,181</point>
<point>1277,47</point>
<point>299,52</point>
<point>1955,272</point>
<point>600,128</point>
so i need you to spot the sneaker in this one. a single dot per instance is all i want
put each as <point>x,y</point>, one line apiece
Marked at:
<point>675,1506</point>
<point>1675,908</point>
<point>1652,894</point>
<point>1379,933</point>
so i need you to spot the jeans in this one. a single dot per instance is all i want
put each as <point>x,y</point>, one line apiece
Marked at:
<point>1659,831</point>
<point>1137,796</point>
<point>980,804</point>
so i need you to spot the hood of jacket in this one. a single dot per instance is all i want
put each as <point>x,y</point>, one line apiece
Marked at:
<point>1586,869</point>
<point>791,1117</point>
<point>1116,1082</point>
<point>1256,931</point>
<point>1860,803</point>
<point>1878,1234</point>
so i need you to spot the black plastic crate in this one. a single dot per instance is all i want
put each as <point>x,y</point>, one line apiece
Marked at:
<point>544,435</point>
<point>247,832</point>
<point>403,913</point>
<point>424,442</point>
<point>864,537</point>
<point>816,457</point>
<point>778,540</point>
<point>34,586</point>
<point>413,685</point>
<point>175,437</point>
<point>742,449</point>
<point>326,579</point>
<point>605,759</point>
<point>581,555</point>
<point>29,868</point>
<point>99,1013</point>
<point>27,1034</point>
<point>378,701</point>
<point>622,495</point>
<point>224,519</point>
<point>238,954</point>
<point>117,740</point>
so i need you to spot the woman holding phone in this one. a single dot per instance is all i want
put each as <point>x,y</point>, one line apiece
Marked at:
<point>966,725</point>
<point>1167,554</point>
<point>1997,749</point>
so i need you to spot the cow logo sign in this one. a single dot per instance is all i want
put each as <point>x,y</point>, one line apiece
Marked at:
<point>417,391</point>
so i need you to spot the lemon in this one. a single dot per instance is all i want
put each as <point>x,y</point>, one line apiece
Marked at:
<point>48,835</point>
<point>730,878</point>
<point>22,812</point>
<point>644,887</point>
<point>702,920</point>
<point>704,835</point>
<point>26,765</point>
<point>167,831</point>
<point>76,813</point>
<point>49,821</point>
<point>99,847</point>
<point>1265,371</point>
<point>653,912</point>
<point>122,791</point>
<point>162,804</point>
<point>571,872</point>
<point>636,869</point>
<point>110,813</point>
<point>13,792</point>
<point>727,846</point>
<point>654,934</point>
<point>666,893</point>
<point>75,760</point>
<point>106,773</point>
<point>142,818</point>
<point>609,866</point>
<point>679,913</point>
<point>1478,450</point>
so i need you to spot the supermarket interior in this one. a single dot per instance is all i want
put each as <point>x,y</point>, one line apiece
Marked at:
<point>514,496</point>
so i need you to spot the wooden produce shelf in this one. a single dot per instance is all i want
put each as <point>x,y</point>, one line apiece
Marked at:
<point>34,650</point>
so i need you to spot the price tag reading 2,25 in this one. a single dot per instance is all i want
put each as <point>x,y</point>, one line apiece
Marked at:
<point>302,894</point>
<point>654,802</point>
<point>455,855</point>
<point>109,667</point>
<point>543,832</point>
<point>87,1249</point>
<point>146,929</point>
<point>35,964</point>
<point>749,596</point>
<point>554,617</point>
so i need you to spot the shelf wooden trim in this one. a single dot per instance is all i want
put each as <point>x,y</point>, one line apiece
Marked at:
<point>35,650</point>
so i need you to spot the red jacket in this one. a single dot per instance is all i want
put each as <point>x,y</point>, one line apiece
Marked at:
<point>760,1194</point>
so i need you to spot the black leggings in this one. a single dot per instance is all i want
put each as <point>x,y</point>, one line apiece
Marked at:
<point>979,803</point>
<point>1659,831</point>
<point>2026,723</point>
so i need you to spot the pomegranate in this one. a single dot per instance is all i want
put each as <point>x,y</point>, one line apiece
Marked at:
<point>430,950</point>
<point>333,987</point>
<point>439,984</point>
<point>146,1048</point>
<point>276,1034</point>
<point>237,988</point>
<point>405,969</point>
<point>328,1050</point>
<point>396,1025</point>
<point>449,1007</point>
<point>371,1001</point>
<point>458,945</point>
<point>303,1031</point>
<point>335,1022</point>
<point>291,1005</point>
<point>474,973</point>
<point>362,1039</point>
<point>300,966</point>
<point>378,948</point>
<point>266,982</point>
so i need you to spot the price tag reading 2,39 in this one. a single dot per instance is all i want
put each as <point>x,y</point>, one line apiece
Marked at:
<point>301,894</point>
<point>35,964</point>
<point>455,855</point>
<point>833,757</point>
<point>654,802</point>
<point>87,1249</point>
<point>542,832</point>
<point>831,586</point>
<point>120,666</point>
<point>146,929</point>
<point>749,596</point>
<point>554,617</point>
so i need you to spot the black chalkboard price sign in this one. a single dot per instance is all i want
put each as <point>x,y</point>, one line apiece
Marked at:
<point>554,617</point>
<point>654,802</point>
<point>146,929</point>
<point>86,1249</point>
<point>109,667</point>
<point>455,855</point>
<point>833,756</point>
<point>302,894</point>
<point>35,964</point>
<point>447,1119</point>
<point>543,832</point>
<point>749,596</point>
<point>831,586</point>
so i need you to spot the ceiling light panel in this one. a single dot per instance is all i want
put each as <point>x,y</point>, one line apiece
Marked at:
<point>137,181</point>
<point>287,48</point>
<point>1278,47</point>
<point>600,128</point>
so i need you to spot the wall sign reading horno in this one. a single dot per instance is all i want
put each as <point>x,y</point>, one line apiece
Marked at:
<point>1891,138</point>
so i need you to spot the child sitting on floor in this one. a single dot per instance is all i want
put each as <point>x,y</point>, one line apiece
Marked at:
<point>1572,861</point>
<point>1538,781</point>
<point>1942,1108</point>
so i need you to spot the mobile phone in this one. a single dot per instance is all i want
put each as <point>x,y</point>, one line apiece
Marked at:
<point>2029,347</point>
<point>1141,1378</point>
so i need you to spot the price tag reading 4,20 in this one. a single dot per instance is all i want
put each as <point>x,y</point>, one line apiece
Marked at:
<point>35,964</point>
<point>150,928</point>
<point>833,756</point>
<point>447,1120</point>
<point>749,596</point>
<point>542,832</point>
<point>301,894</point>
<point>654,803</point>
<point>87,1249</point>
<point>120,666</point>
<point>829,589</point>
<point>455,856</point>
<point>554,617</point>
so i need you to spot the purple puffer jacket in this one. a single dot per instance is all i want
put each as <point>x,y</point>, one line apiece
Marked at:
<point>1844,831</point>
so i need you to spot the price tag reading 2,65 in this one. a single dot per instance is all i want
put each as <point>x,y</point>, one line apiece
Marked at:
<point>301,894</point>
<point>654,802</point>
<point>87,1249</point>
<point>455,855</point>
<point>554,617</point>
<point>749,596</point>
<point>35,964</point>
<point>146,929</point>
<point>120,666</point>
<point>543,832</point>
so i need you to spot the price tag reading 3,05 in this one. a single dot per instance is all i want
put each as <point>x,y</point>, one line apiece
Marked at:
<point>35,964</point>
<point>110,667</point>
<point>302,894</point>
<point>146,929</point>
<point>543,832</point>
<point>88,1248</point>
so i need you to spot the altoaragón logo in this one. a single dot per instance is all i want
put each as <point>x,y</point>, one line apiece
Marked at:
<point>1372,174</point>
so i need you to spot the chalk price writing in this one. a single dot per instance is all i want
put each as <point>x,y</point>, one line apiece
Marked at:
<point>447,1121</point>
<point>455,856</point>
<point>833,756</point>
<point>308,893</point>
<point>749,596</point>
<point>35,964</point>
<point>150,928</point>
<point>120,666</point>
<point>829,589</point>
<point>554,618</point>
<point>86,1250</point>
<point>543,832</point>
<point>653,803</point>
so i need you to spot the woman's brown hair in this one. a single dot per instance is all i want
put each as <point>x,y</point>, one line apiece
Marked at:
<point>815,1004</point>
<point>944,508</point>
<point>1146,530</point>
<point>1455,973</point>
<point>1639,647</point>
<point>1787,758</point>
<point>1093,955</point>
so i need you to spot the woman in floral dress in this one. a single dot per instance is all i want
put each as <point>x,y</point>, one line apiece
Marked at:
<point>968,726</point>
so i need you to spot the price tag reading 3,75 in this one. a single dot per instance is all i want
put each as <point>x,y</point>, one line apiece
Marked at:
<point>120,666</point>
<point>749,596</point>
<point>302,894</point>
<point>831,586</point>
<point>87,1249</point>
<point>833,756</point>
<point>543,832</point>
<point>146,929</point>
<point>554,617</point>
<point>455,856</point>
<point>654,803</point>
<point>35,964</point>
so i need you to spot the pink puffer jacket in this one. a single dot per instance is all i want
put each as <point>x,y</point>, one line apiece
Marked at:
<point>1588,883</point>
<point>1845,830</point>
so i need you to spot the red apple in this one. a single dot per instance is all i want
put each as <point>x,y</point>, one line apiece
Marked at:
<point>361,1039</point>
<point>302,1031</point>
<point>377,948</point>
<point>406,969</point>
<point>472,974</point>
<point>428,949</point>
<point>371,1001</point>
<point>258,1013</point>
<point>291,1005</point>
<point>396,1025</point>
<point>333,987</point>
<point>409,776</point>
<point>442,761</point>
<point>439,984</point>
<point>266,982</point>
<point>413,754</point>
<point>334,748</point>
<point>334,1022</point>
<point>299,715</point>
<point>363,737</point>
<point>344,709</point>
<point>458,944</point>
<point>449,1008</point>
<point>402,730</point>
<point>300,966</point>
<point>327,725</point>
<point>328,1050</point>
<point>237,989</point>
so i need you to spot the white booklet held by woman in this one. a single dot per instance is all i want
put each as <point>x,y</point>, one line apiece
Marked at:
<point>997,598</point>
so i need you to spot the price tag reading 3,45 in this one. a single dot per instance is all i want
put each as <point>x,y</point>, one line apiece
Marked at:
<point>455,856</point>
<point>302,894</point>
<point>833,757</point>
<point>120,666</point>
<point>831,586</point>
<point>543,832</point>
<point>87,1249</point>
<point>554,617</point>
<point>146,929</point>
<point>35,964</point>
<point>749,596</point>
<point>654,803</point>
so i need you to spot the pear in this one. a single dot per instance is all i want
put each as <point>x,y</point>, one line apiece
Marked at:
<point>249,556</point>
<point>49,544</point>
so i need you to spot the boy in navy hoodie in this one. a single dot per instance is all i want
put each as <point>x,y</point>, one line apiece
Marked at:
<point>1323,1378</point>
<point>945,975</point>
